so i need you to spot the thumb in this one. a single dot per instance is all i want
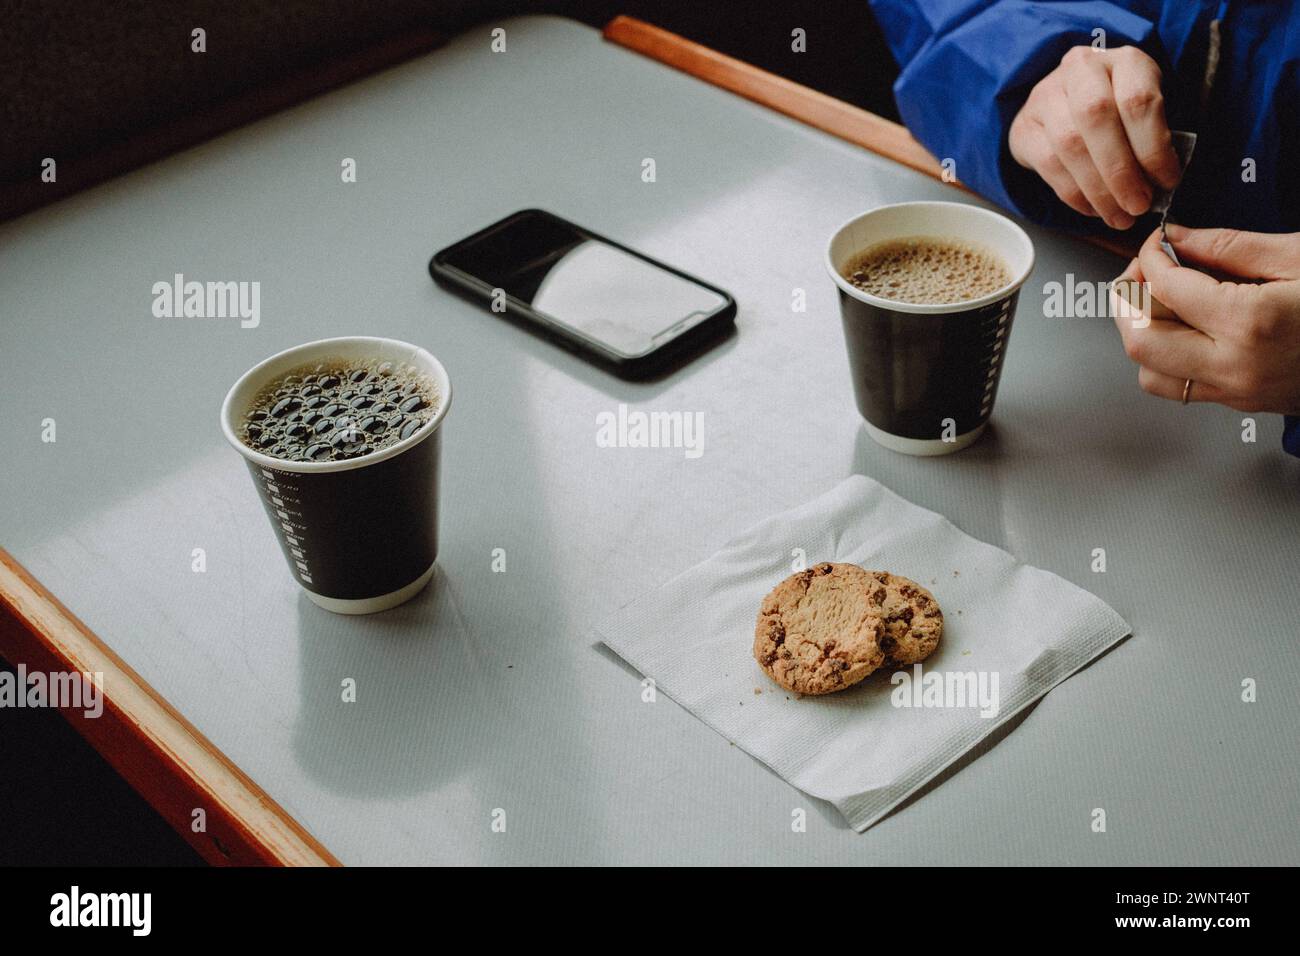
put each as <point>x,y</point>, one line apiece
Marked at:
<point>1247,255</point>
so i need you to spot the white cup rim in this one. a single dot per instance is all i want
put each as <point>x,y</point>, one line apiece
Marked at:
<point>932,308</point>
<point>324,348</point>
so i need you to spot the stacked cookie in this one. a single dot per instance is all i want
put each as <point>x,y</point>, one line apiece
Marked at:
<point>827,628</point>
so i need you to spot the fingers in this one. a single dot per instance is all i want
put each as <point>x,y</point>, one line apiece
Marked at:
<point>1126,297</point>
<point>1156,339</point>
<point>1135,81</point>
<point>1171,387</point>
<point>1170,353</point>
<point>1095,130</point>
<point>1230,338</point>
<point>1071,149</point>
<point>1173,349</point>
<point>1251,255</point>
<point>1033,150</point>
<point>1199,300</point>
<point>1094,112</point>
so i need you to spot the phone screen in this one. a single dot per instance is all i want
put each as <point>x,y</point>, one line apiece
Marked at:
<point>597,290</point>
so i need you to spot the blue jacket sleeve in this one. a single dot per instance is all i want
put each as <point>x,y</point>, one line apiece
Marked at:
<point>968,67</point>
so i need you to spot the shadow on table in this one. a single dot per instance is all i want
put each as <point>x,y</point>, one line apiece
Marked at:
<point>429,691</point>
<point>835,819</point>
<point>415,670</point>
<point>456,690</point>
<point>977,751</point>
<point>939,482</point>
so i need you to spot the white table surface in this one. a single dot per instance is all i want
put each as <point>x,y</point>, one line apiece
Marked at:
<point>488,691</point>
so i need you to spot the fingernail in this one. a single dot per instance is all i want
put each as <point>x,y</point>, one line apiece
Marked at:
<point>1175,231</point>
<point>1140,205</point>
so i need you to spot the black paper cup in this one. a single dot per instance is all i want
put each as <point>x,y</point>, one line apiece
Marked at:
<point>925,375</point>
<point>360,535</point>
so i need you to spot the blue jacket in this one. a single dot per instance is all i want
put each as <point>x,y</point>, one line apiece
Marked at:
<point>968,66</point>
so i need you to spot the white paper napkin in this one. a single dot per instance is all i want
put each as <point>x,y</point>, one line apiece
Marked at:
<point>1004,622</point>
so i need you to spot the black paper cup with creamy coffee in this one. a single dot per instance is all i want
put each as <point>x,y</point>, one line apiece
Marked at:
<point>360,534</point>
<point>925,374</point>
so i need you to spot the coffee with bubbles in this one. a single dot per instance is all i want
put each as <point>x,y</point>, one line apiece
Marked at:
<point>334,411</point>
<point>928,270</point>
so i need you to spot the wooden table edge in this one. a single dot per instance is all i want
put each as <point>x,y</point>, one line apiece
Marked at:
<point>843,120</point>
<point>156,750</point>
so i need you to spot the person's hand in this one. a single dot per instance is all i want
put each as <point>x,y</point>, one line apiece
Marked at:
<point>1094,129</point>
<point>1238,341</point>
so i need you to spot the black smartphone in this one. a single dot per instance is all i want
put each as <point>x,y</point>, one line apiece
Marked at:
<point>625,311</point>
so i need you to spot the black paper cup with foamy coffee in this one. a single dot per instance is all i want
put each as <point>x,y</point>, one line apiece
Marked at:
<point>342,438</point>
<point>927,294</point>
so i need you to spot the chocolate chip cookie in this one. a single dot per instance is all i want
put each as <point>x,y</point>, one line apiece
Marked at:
<point>912,619</point>
<point>818,630</point>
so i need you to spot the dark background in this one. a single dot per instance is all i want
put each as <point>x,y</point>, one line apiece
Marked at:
<point>79,79</point>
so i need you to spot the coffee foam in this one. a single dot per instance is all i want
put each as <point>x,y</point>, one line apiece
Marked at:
<point>927,270</point>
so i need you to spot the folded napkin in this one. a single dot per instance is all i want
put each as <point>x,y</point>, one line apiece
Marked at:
<point>1011,633</point>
